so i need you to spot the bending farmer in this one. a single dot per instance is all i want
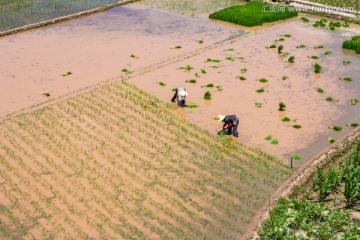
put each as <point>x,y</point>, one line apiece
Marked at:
<point>231,123</point>
<point>180,95</point>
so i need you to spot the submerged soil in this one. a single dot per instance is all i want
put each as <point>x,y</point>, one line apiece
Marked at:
<point>304,105</point>
<point>95,48</point>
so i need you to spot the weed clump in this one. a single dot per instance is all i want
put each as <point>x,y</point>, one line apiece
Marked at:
<point>162,84</point>
<point>263,80</point>
<point>67,74</point>
<point>291,59</point>
<point>317,68</point>
<point>282,106</point>
<point>280,48</point>
<point>252,14</point>
<point>348,79</point>
<point>241,78</point>
<point>191,81</point>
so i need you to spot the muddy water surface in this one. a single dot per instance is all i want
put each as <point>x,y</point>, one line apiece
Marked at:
<point>304,105</point>
<point>95,48</point>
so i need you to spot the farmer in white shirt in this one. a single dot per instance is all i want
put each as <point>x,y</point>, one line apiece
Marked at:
<point>180,95</point>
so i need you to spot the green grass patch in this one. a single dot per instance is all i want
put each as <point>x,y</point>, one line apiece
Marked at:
<point>230,58</point>
<point>210,85</point>
<point>252,14</point>
<point>268,138</point>
<point>258,104</point>
<point>274,142</point>
<point>282,106</point>
<point>313,57</point>
<point>47,94</point>
<point>272,46</point>
<point>296,126</point>
<point>187,68</point>
<point>244,70</point>
<point>162,84</point>
<point>328,52</point>
<point>201,41</point>
<point>125,70</point>
<point>134,56</point>
<point>317,68</point>
<point>353,44</point>
<point>295,156</point>
<point>261,90</point>
<point>331,140</point>
<point>203,71</point>
<point>242,78</point>
<point>319,47</point>
<point>284,78</point>
<point>301,46</point>
<point>346,62</point>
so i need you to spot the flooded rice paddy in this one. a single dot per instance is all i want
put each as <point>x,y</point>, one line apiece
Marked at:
<point>98,47</point>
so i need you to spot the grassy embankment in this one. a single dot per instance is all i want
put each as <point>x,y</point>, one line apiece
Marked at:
<point>118,163</point>
<point>252,14</point>
<point>323,211</point>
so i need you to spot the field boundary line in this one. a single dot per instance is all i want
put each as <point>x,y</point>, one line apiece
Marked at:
<point>138,72</point>
<point>300,176</point>
<point>33,26</point>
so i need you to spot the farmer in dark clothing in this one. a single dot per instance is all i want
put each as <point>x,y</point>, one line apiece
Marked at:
<point>231,123</point>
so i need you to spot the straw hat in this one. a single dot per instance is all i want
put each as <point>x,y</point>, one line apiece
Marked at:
<point>220,118</point>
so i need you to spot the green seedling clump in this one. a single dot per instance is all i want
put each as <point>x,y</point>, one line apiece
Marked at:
<point>252,14</point>
<point>286,119</point>
<point>346,62</point>
<point>219,87</point>
<point>317,68</point>
<point>207,95</point>
<point>354,101</point>
<point>230,58</point>
<point>203,71</point>
<point>331,99</point>
<point>291,59</point>
<point>282,106</point>
<point>301,46</point>
<point>67,74</point>
<point>187,68</point>
<point>258,104</point>
<point>297,126</point>
<point>345,24</point>
<point>304,19</point>
<point>274,142</point>
<point>197,75</point>
<point>353,124</point>
<point>272,46</point>
<point>268,138</point>
<point>336,128</point>
<point>191,81</point>
<point>162,84</point>
<point>285,54</point>
<point>284,78</point>
<point>331,140</point>
<point>287,35</point>
<point>243,70</point>
<point>192,105</point>
<point>209,85</point>
<point>201,41</point>
<point>328,52</point>
<point>177,47</point>
<point>263,80</point>
<point>125,70</point>
<point>295,156</point>
<point>313,57</point>
<point>334,25</point>
<point>229,49</point>
<point>213,60</point>
<point>320,90</point>
<point>348,79</point>
<point>281,39</point>
<point>261,90</point>
<point>133,56</point>
<point>353,44</point>
<point>47,94</point>
<point>241,78</point>
<point>280,48</point>
<point>320,23</point>
<point>214,66</point>
<point>319,46</point>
